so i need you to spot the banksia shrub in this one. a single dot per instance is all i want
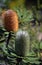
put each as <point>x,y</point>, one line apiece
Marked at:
<point>10,20</point>
<point>22,43</point>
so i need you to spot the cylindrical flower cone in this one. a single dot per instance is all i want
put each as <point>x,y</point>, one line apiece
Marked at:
<point>22,43</point>
<point>10,19</point>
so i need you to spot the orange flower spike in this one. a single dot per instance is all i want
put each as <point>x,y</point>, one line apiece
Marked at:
<point>10,20</point>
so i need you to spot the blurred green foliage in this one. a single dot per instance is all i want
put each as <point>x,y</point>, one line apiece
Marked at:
<point>24,14</point>
<point>33,56</point>
<point>25,18</point>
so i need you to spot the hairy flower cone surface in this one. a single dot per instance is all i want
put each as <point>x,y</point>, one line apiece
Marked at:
<point>10,20</point>
<point>22,43</point>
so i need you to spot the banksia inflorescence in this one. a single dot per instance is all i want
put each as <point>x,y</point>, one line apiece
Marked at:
<point>22,43</point>
<point>10,19</point>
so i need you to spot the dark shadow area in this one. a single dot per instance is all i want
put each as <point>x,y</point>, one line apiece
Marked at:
<point>30,2</point>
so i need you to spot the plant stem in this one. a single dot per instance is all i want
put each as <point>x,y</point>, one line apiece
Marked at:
<point>18,61</point>
<point>9,36</point>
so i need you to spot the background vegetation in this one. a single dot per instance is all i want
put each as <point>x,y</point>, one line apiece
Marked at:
<point>30,19</point>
